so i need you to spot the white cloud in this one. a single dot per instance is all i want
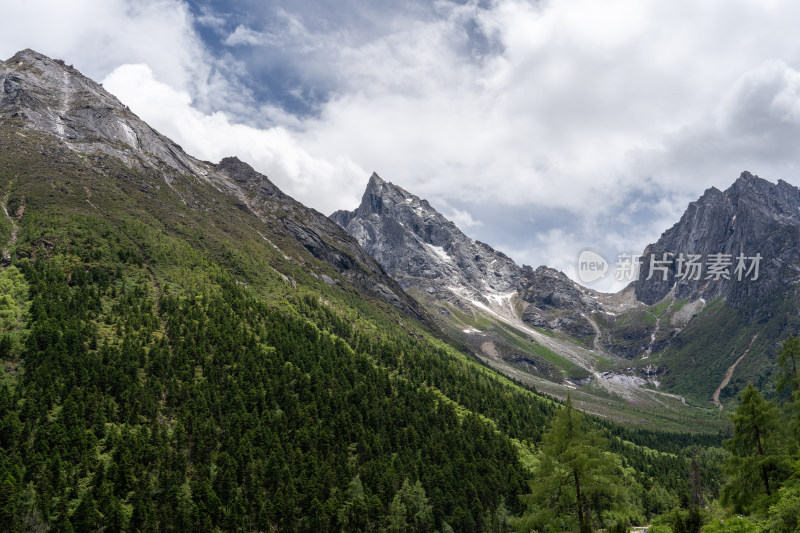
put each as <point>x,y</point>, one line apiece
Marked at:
<point>463,219</point>
<point>100,35</point>
<point>612,113</point>
<point>211,19</point>
<point>97,36</point>
<point>243,35</point>
<point>213,136</point>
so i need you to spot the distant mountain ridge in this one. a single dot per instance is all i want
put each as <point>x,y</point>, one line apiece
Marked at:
<point>185,347</point>
<point>395,245</point>
<point>751,218</point>
<point>754,222</point>
<point>410,238</point>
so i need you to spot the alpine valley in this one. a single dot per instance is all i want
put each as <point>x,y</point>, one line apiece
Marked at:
<point>185,347</point>
<point>659,343</point>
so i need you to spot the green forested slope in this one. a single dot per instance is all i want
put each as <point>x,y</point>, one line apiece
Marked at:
<point>172,362</point>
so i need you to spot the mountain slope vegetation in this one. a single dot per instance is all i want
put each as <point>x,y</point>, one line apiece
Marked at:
<point>184,347</point>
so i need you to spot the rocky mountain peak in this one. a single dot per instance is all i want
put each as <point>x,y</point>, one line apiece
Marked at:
<point>48,96</point>
<point>709,195</point>
<point>381,195</point>
<point>411,239</point>
<point>375,182</point>
<point>425,251</point>
<point>74,115</point>
<point>752,217</point>
<point>31,55</point>
<point>32,59</point>
<point>247,178</point>
<point>34,80</point>
<point>749,185</point>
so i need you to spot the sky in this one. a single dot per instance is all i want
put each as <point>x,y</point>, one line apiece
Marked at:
<point>542,128</point>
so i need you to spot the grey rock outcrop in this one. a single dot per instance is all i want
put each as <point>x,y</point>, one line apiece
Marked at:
<point>752,217</point>
<point>419,247</point>
<point>50,96</point>
<point>423,250</point>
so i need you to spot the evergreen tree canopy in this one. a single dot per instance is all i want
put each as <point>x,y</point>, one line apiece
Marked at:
<point>576,480</point>
<point>759,458</point>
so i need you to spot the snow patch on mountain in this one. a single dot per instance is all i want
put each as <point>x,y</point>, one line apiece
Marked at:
<point>439,253</point>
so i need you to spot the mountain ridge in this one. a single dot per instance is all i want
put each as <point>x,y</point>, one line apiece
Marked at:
<point>741,221</point>
<point>55,98</point>
<point>447,272</point>
<point>421,248</point>
<point>565,333</point>
<point>186,348</point>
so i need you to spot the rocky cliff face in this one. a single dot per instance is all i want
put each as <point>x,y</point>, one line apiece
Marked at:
<point>751,219</point>
<point>50,96</point>
<point>745,242</point>
<point>534,325</point>
<point>423,250</point>
<point>45,95</point>
<point>420,247</point>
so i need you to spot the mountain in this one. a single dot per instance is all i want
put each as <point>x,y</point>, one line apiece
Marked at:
<point>746,306</point>
<point>51,97</point>
<point>183,346</point>
<point>753,217</point>
<point>534,325</point>
<point>680,334</point>
<point>424,251</point>
<point>418,246</point>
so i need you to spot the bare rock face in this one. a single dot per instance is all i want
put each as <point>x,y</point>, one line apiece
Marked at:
<point>418,246</point>
<point>553,301</point>
<point>45,95</point>
<point>423,250</point>
<point>52,97</point>
<point>752,217</point>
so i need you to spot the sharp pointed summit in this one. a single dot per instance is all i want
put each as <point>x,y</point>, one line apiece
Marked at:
<point>428,255</point>
<point>375,180</point>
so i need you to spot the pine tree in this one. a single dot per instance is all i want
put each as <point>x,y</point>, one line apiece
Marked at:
<point>758,458</point>
<point>789,360</point>
<point>695,482</point>
<point>397,515</point>
<point>575,479</point>
<point>789,378</point>
<point>7,491</point>
<point>420,511</point>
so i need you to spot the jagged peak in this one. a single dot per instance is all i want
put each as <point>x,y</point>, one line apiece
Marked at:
<point>710,195</point>
<point>246,176</point>
<point>546,271</point>
<point>232,162</point>
<point>375,180</point>
<point>746,176</point>
<point>380,193</point>
<point>750,188</point>
<point>29,56</point>
<point>747,186</point>
<point>748,180</point>
<point>378,186</point>
<point>48,74</point>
